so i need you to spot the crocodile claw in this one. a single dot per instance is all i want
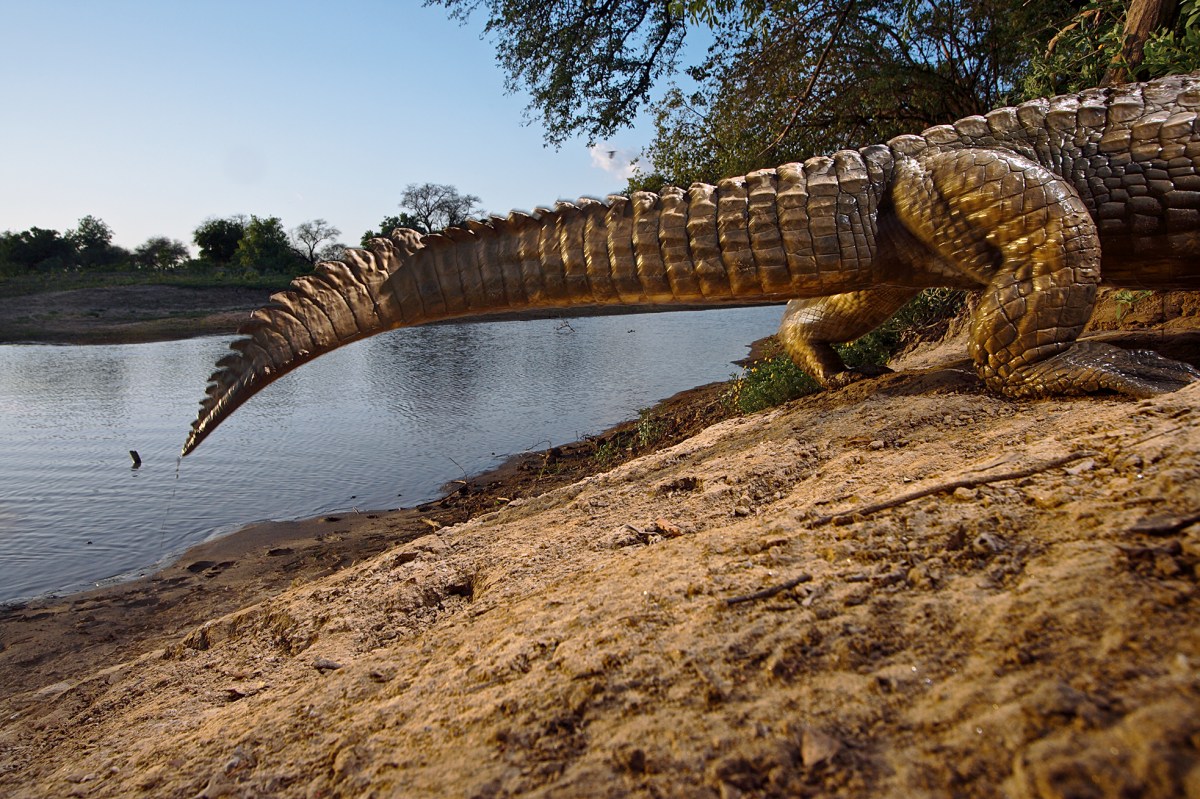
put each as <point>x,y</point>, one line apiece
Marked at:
<point>1092,366</point>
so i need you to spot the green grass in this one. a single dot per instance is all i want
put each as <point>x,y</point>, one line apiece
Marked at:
<point>776,380</point>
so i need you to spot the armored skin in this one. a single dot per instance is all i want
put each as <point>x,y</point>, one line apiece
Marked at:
<point>1032,205</point>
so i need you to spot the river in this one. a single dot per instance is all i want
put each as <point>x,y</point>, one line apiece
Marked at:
<point>381,423</point>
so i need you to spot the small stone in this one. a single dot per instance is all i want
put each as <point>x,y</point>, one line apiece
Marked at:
<point>323,664</point>
<point>668,528</point>
<point>816,747</point>
<point>1044,499</point>
<point>627,536</point>
<point>987,544</point>
<point>964,494</point>
<point>430,543</point>
<point>922,576</point>
<point>1166,566</point>
<point>242,690</point>
<point>741,510</point>
<point>1085,465</point>
<point>876,444</point>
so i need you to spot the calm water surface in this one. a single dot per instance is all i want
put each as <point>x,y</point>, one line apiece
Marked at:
<point>379,424</point>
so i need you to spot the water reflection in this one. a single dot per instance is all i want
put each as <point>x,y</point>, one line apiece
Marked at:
<point>379,423</point>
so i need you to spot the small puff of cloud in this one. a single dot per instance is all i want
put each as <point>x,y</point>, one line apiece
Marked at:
<point>617,161</point>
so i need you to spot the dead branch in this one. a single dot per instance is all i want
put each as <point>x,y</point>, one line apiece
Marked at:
<point>767,593</point>
<point>952,485</point>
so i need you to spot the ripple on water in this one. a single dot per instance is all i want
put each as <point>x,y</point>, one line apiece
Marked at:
<point>380,423</point>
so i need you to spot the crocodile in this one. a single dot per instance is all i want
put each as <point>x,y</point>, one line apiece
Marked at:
<point>1030,204</point>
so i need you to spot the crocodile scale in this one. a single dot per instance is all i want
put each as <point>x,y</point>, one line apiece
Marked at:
<point>1030,204</point>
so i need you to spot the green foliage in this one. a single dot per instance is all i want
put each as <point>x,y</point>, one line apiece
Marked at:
<point>265,247</point>
<point>812,76</point>
<point>437,205</point>
<point>36,250</point>
<point>928,311</point>
<point>1176,49</point>
<point>193,274</point>
<point>390,223</point>
<point>1089,43</point>
<point>586,65</point>
<point>1126,299</point>
<point>218,239</point>
<point>94,249</point>
<point>607,453</point>
<point>768,383</point>
<point>650,428</point>
<point>160,254</point>
<point>775,379</point>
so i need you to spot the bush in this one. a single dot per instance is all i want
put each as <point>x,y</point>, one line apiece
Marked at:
<point>769,382</point>
<point>776,380</point>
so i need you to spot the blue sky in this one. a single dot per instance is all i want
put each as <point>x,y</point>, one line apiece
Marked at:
<point>155,116</point>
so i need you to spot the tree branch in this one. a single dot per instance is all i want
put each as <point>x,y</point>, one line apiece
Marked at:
<point>812,81</point>
<point>966,482</point>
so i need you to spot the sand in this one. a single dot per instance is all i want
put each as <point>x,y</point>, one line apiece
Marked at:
<point>908,587</point>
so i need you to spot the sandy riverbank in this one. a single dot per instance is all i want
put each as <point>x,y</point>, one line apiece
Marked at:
<point>907,587</point>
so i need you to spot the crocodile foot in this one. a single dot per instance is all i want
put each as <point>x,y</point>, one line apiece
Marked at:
<point>1090,366</point>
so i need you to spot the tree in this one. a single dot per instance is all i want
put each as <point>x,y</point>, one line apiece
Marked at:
<point>332,252</point>
<point>437,205</point>
<point>785,79</point>
<point>813,76</point>
<point>390,223</point>
<point>264,247</point>
<point>36,250</point>
<point>160,254</point>
<point>587,65</point>
<point>1112,41</point>
<point>307,238</point>
<point>93,244</point>
<point>91,233</point>
<point>218,239</point>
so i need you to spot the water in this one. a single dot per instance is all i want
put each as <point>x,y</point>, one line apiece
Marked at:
<point>379,424</point>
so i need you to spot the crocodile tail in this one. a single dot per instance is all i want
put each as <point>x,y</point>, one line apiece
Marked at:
<point>756,239</point>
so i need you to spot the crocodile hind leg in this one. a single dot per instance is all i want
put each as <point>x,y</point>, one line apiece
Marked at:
<point>1025,235</point>
<point>811,327</point>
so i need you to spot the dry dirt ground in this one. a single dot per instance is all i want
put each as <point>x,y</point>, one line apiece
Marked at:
<point>908,587</point>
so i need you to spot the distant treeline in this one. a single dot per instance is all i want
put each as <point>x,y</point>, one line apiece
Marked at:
<point>234,249</point>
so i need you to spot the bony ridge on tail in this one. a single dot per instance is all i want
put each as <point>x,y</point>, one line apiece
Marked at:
<point>1033,205</point>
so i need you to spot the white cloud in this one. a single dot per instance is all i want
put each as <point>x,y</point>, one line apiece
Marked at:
<point>617,161</point>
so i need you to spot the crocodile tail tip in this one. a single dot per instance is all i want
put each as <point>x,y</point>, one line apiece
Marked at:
<point>232,384</point>
<point>337,304</point>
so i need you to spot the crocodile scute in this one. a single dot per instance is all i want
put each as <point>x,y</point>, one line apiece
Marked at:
<point>1032,205</point>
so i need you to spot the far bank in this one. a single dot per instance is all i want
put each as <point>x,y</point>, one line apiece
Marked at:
<point>126,314</point>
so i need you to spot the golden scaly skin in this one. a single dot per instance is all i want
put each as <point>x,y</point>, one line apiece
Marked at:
<point>1030,204</point>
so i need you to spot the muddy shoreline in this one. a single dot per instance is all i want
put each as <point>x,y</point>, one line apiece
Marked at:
<point>126,314</point>
<point>47,638</point>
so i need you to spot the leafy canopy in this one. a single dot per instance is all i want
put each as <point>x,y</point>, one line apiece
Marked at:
<point>265,247</point>
<point>813,76</point>
<point>160,254</point>
<point>390,223</point>
<point>218,238</point>
<point>786,79</point>
<point>588,64</point>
